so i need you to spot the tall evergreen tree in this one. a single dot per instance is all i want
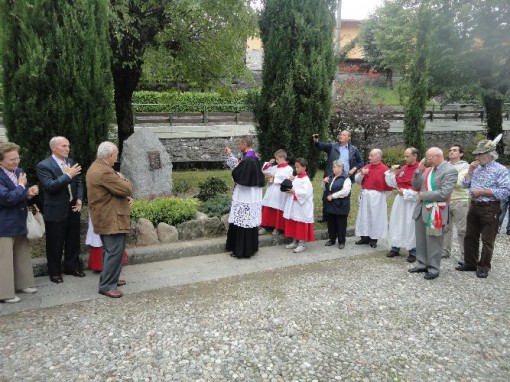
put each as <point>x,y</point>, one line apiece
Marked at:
<point>57,78</point>
<point>297,73</point>
<point>417,87</point>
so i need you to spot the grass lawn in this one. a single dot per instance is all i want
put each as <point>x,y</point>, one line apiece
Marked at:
<point>194,177</point>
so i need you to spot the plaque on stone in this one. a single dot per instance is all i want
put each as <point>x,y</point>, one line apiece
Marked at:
<point>147,164</point>
<point>154,160</point>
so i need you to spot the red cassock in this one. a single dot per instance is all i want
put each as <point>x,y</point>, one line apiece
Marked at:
<point>96,259</point>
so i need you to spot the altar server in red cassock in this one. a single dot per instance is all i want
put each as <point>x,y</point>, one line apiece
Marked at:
<point>298,211</point>
<point>371,222</point>
<point>401,228</point>
<point>274,200</point>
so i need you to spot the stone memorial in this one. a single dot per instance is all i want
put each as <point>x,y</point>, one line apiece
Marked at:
<point>147,164</point>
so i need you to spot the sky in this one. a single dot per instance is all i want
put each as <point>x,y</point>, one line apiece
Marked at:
<point>359,9</point>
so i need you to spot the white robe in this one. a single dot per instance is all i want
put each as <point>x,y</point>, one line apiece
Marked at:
<point>246,209</point>
<point>401,232</point>
<point>372,219</point>
<point>300,210</point>
<point>273,197</point>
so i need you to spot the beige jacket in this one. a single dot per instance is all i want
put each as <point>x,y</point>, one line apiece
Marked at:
<point>107,194</point>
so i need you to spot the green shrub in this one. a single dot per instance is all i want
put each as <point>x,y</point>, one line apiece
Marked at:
<point>211,187</point>
<point>177,102</point>
<point>394,155</point>
<point>218,205</point>
<point>181,186</point>
<point>167,210</point>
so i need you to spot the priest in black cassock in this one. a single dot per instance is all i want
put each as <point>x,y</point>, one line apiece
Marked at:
<point>246,210</point>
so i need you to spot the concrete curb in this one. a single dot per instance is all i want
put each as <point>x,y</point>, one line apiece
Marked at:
<point>153,253</point>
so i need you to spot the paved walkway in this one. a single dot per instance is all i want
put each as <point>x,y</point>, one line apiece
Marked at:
<point>322,315</point>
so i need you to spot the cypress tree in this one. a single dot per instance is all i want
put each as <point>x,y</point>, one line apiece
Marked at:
<point>418,87</point>
<point>295,100</point>
<point>57,78</point>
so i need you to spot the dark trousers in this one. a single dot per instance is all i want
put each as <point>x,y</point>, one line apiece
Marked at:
<point>113,251</point>
<point>482,220</point>
<point>63,237</point>
<point>337,226</point>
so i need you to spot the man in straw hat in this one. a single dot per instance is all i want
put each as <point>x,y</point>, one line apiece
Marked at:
<point>488,184</point>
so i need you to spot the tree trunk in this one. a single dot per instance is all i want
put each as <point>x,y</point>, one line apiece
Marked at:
<point>493,109</point>
<point>389,79</point>
<point>125,82</point>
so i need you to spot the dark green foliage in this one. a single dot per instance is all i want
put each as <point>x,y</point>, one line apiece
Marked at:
<point>218,205</point>
<point>171,211</point>
<point>57,77</point>
<point>417,89</point>
<point>394,155</point>
<point>297,74</point>
<point>211,187</point>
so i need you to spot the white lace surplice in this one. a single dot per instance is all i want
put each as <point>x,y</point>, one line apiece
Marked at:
<point>246,209</point>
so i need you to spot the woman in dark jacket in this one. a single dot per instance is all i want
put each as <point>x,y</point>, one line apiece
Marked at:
<point>16,272</point>
<point>337,203</point>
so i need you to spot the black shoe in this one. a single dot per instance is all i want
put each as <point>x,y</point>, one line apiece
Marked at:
<point>363,240</point>
<point>232,254</point>
<point>373,243</point>
<point>460,262</point>
<point>465,268</point>
<point>329,243</point>
<point>341,245</point>
<point>417,270</point>
<point>392,253</point>
<point>431,276</point>
<point>56,279</point>
<point>75,273</point>
<point>482,273</point>
<point>411,259</point>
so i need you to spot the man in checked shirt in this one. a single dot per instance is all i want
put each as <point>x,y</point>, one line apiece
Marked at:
<point>488,184</point>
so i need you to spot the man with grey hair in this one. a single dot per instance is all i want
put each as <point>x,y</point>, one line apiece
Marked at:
<point>436,184</point>
<point>372,222</point>
<point>63,194</point>
<point>488,185</point>
<point>109,196</point>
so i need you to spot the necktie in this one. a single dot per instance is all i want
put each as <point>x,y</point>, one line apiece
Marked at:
<point>64,165</point>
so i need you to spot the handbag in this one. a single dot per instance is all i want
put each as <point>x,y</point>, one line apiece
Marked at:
<point>35,223</point>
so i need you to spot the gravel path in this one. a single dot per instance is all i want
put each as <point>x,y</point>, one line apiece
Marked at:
<point>351,319</point>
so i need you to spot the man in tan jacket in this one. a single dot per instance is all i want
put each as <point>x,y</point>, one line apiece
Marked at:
<point>109,196</point>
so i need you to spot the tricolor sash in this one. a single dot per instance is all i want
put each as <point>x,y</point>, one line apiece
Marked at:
<point>434,222</point>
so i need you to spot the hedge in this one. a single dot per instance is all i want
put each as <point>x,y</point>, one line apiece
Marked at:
<point>171,210</point>
<point>171,101</point>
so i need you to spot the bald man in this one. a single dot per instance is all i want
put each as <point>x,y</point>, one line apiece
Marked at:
<point>436,184</point>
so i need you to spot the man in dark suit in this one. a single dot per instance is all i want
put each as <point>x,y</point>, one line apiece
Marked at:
<point>436,184</point>
<point>63,195</point>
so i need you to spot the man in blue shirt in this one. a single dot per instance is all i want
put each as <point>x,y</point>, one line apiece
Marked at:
<point>345,152</point>
<point>488,185</point>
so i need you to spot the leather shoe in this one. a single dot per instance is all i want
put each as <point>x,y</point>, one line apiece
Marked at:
<point>341,245</point>
<point>481,273</point>
<point>431,276</point>
<point>373,243</point>
<point>56,279</point>
<point>465,268</point>
<point>392,253</point>
<point>411,259</point>
<point>363,241</point>
<point>114,293</point>
<point>417,270</point>
<point>121,282</point>
<point>329,243</point>
<point>75,273</point>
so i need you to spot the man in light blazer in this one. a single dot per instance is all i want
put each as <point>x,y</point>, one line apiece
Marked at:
<point>63,194</point>
<point>436,184</point>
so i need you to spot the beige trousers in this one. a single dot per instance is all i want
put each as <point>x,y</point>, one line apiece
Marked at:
<point>458,216</point>
<point>15,266</point>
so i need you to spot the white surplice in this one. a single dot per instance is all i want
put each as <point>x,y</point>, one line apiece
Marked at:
<point>300,208</point>
<point>273,197</point>
<point>246,209</point>
<point>372,214</point>
<point>401,232</point>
